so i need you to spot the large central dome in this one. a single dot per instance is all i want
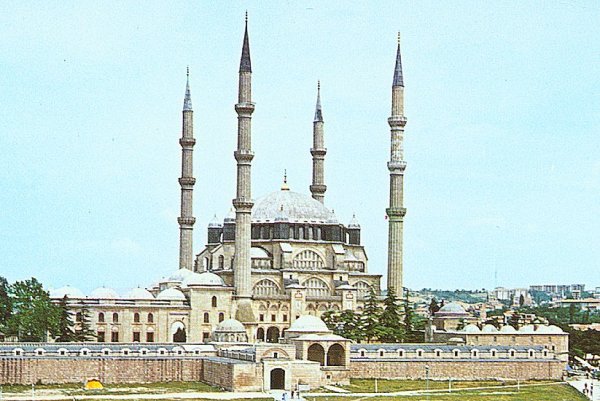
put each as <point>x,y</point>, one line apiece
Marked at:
<point>293,206</point>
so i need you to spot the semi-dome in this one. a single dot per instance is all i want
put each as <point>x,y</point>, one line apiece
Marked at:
<point>230,326</point>
<point>296,206</point>
<point>309,324</point>
<point>171,294</point>
<point>258,253</point>
<point>139,293</point>
<point>68,291</point>
<point>205,278</point>
<point>104,293</point>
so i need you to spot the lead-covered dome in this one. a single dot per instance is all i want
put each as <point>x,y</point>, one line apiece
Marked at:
<point>231,326</point>
<point>104,293</point>
<point>296,206</point>
<point>171,294</point>
<point>66,291</point>
<point>206,278</point>
<point>309,324</point>
<point>139,293</point>
<point>452,309</point>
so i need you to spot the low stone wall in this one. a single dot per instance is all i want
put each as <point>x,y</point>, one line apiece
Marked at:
<point>107,370</point>
<point>459,370</point>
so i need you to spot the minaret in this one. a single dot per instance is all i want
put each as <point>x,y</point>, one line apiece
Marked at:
<point>187,181</point>
<point>243,201</point>
<point>318,152</point>
<point>396,166</point>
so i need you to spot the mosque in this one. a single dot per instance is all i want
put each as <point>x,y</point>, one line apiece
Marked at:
<point>244,313</point>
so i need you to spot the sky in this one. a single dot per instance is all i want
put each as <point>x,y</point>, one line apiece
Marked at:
<point>502,141</point>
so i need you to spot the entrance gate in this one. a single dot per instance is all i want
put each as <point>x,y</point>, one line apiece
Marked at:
<point>278,379</point>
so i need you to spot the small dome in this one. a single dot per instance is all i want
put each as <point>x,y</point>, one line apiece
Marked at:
<point>180,275</point>
<point>527,329</point>
<point>507,329</point>
<point>488,328</point>
<point>452,308</point>
<point>549,330</point>
<point>139,293</point>
<point>258,253</point>
<point>471,328</point>
<point>230,218</point>
<point>215,223</point>
<point>332,219</point>
<point>171,294</point>
<point>230,325</point>
<point>354,222</point>
<point>297,207</point>
<point>206,278</point>
<point>104,293</point>
<point>70,292</point>
<point>309,323</point>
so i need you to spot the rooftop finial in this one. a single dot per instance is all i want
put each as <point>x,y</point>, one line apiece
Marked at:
<point>284,186</point>
<point>245,64</point>
<point>398,77</point>
<point>187,101</point>
<point>318,110</point>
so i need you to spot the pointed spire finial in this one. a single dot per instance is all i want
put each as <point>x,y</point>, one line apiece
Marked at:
<point>187,101</point>
<point>398,77</point>
<point>318,109</point>
<point>284,186</point>
<point>245,64</point>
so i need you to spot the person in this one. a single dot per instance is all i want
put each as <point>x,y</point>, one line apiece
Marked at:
<point>585,389</point>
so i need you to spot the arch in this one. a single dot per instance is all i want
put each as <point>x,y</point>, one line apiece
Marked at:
<point>136,317</point>
<point>336,355</point>
<point>277,379</point>
<point>272,334</point>
<point>260,334</point>
<point>316,353</point>
<point>362,288</point>
<point>101,317</point>
<point>221,317</point>
<point>178,332</point>
<point>266,287</point>
<point>315,287</point>
<point>213,301</point>
<point>206,317</point>
<point>115,317</point>
<point>308,259</point>
<point>150,318</point>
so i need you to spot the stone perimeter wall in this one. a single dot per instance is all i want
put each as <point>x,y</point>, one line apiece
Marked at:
<point>458,370</point>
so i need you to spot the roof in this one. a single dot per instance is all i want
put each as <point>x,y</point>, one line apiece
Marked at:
<point>139,293</point>
<point>68,291</point>
<point>452,308</point>
<point>230,325</point>
<point>104,293</point>
<point>171,294</point>
<point>205,278</point>
<point>309,324</point>
<point>297,207</point>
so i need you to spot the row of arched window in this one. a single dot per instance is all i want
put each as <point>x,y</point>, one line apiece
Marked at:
<point>456,353</point>
<point>206,317</point>
<point>115,317</point>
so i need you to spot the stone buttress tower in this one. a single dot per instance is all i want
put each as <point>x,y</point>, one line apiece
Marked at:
<point>186,220</point>
<point>243,201</point>
<point>318,152</point>
<point>396,166</point>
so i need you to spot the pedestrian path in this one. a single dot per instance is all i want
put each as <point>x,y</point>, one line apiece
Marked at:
<point>588,387</point>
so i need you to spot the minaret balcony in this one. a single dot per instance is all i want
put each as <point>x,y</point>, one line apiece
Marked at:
<point>243,205</point>
<point>395,213</point>
<point>187,181</point>
<point>318,189</point>
<point>243,156</point>
<point>187,142</point>
<point>397,121</point>
<point>318,152</point>
<point>244,108</point>
<point>186,221</point>
<point>396,167</point>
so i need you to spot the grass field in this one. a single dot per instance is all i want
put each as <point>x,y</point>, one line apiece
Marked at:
<point>387,386</point>
<point>138,388</point>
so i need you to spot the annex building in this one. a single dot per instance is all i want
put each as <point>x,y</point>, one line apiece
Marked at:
<point>244,312</point>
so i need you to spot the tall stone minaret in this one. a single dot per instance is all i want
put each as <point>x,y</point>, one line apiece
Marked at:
<point>187,181</point>
<point>396,166</point>
<point>318,152</point>
<point>243,201</point>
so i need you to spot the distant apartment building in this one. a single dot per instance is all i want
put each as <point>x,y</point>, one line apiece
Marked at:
<point>558,288</point>
<point>508,294</point>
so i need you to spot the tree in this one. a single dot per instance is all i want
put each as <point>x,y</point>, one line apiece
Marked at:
<point>5,302</point>
<point>34,315</point>
<point>433,306</point>
<point>65,322</point>
<point>370,316</point>
<point>84,331</point>
<point>521,300</point>
<point>391,329</point>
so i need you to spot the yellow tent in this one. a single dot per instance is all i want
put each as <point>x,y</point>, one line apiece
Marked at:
<point>93,384</point>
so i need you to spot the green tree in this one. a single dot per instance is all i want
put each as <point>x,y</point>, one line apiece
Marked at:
<point>370,316</point>
<point>5,302</point>
<point>66,332</point>
<point>33,314</point>
<point>83,330</point>
<point>433,306</point>
<point>521,300</point>
<point>392,330</point>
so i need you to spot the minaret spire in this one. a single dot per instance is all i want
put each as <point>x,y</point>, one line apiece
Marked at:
<point>396,166</point>
<point>186,220</point>
<point>243,201</point>
<point>318,152</point>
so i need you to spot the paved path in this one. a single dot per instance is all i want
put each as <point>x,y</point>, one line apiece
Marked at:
<point>580,384</point>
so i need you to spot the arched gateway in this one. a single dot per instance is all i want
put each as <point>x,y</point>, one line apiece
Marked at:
<point>278,379</point>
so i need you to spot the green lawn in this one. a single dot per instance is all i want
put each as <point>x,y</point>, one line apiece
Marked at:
<point>387,386</point>
<point>124,388</point>
<point>549,392</point>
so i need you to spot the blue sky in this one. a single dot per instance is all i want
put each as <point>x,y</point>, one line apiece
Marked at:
<point>502,101</point>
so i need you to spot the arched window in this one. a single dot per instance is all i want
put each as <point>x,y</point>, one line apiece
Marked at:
<point>363,289</point>
<point>336,355</point>
<point>266,287</point>
<point>115,317</point>
<point>316,287</point>
<point>221,317</point>
<point>260,334</point>
<point>136,317</point>
<point>213,302</point>
<point>101,317</point>
<point>221,262</point>
<point>308,259</point>
<point>206,317</point>
<point>150,318</point>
